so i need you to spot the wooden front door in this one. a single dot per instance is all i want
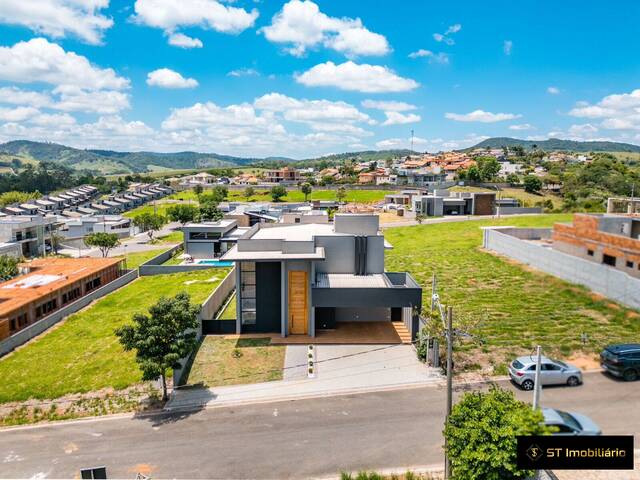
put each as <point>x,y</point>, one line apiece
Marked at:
<point>298,302</point>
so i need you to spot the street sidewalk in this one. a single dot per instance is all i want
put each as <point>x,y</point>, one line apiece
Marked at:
<point>341,370</point>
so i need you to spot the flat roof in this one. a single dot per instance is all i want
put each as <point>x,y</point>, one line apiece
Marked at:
<point>349,280</point>
<point>297,232</point>
<point>223,223</point>
<point>48,275</point>
<point>234,255</point>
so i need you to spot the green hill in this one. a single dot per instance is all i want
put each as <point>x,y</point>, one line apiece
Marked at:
<point>558,144</point>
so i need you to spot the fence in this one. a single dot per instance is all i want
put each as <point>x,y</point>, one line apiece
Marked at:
<point>47,322</point>
<point>155,266</point>
<point>208,310</point>
<point>601,279</point>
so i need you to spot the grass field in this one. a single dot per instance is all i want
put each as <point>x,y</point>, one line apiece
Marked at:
<point>525,198</point>
<point>230,310</point>
<point>519,308</point>
<point>159,208</point>
<point>82,354</point>
<point>222,361</point>
<point>262,195</point>
<point>134,260</point>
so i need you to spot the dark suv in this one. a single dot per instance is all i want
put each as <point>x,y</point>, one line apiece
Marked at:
<point>622,360</point>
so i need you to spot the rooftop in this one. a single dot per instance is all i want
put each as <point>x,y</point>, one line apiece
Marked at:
<point>47,275</point>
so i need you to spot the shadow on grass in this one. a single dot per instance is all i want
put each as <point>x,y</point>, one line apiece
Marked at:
<point>253,342</point>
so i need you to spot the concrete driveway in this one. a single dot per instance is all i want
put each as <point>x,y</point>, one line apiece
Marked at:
<point>340,369</point>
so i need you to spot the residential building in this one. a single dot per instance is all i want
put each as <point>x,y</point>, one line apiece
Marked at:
<point>444,202</point>
<point>301,279</point>
<point>367,178</point>
<point>421,177</point>
<point>612,240</point>
<point>283,175</point>
<point>47,285</point>
<point>208,240</point>
<point>80,227</point>
<point>30,231</point>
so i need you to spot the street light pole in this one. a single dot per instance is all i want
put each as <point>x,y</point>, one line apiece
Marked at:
<point>449,333</point>
<point>536,384</point>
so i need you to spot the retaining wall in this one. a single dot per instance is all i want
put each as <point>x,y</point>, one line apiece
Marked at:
<point>47,322</point>
<point>601,279</point>
<point>208,310</point>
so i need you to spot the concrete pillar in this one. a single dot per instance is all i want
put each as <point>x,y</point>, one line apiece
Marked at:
<point>283,299</point>
<point>610,205</point>
<point>238,298</point>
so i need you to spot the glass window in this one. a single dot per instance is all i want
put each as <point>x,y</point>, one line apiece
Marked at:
<point>248,293</point>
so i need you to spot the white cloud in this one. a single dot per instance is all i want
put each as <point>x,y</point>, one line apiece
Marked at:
<point>16,96</point>
<point>553,90</point>
<point>58,18</point>
<point>522,126</point>
<point>507,47</point>
<point>433,57</point>
<point>167,78</point>
<point>390,106</point>
<point>616,112</point>
<point>18,114</point>
<point>184,41</point>
<point>38,60</point>
<point>100,101</point>
<point>170,15</point>
<point>397,118</point>
<point>481,116</point>
<point>446,36</point>
<point>394,143</point>
<point>356,77</point>
<point>301,25</point>
<point>244,72</point>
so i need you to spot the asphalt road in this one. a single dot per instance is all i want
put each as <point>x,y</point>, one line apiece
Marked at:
<point>299,439</point>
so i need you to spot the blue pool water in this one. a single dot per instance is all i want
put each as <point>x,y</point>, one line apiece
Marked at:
<point>215,263</point>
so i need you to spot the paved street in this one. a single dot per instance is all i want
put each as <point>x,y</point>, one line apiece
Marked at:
<point>299,439</point>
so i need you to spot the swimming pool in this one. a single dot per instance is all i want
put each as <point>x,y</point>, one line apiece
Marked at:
<point>214,263</point>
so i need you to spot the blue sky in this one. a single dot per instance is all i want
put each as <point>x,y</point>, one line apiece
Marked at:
<point>302,78</point>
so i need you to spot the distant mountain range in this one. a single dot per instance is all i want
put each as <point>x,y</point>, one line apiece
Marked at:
<point>112,162</point>
<point>557,144</point>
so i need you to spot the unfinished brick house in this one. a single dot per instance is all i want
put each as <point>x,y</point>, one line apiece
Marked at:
<point>612,240</point>
<point>49,284</point>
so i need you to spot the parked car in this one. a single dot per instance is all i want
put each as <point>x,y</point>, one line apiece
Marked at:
<point>570,423</point>
<point>622,360</point>
<point>552,372</point>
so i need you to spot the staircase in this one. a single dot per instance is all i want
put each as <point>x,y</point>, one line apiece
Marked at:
<point>402,331</point>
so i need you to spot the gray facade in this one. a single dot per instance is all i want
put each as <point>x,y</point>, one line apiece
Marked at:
<point>322,274</point>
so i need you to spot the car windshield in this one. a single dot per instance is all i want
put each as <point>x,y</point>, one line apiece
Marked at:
<point>517,364</point>
<point>569,420</point>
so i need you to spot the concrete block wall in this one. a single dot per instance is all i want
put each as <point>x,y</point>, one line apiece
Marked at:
<point>601,279</point>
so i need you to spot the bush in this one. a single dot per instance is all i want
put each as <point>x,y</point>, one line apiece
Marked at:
<point>481,434</point>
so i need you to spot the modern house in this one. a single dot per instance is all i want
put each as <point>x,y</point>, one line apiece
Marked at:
<point>444,202</point>
<point>31,232</point>
<point>49,284</point>
<point>301,279</point>
<point>285,175</point>
<point>209,240</point>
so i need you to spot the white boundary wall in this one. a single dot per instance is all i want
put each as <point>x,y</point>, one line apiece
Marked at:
<point>601,279</point>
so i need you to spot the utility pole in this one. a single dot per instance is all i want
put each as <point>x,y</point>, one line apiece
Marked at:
<point>536,383</point>
<point>412,140</point>
<point>449,333</point>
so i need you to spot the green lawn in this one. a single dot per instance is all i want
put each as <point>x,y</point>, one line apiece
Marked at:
<point>134,260</point>
<point>262,195</point>
<point>172,238</point>
<point>230,310</point>
<point>159,208</point>
<point>222,361</point>
<point>82,354</point>
<point>519,308</point>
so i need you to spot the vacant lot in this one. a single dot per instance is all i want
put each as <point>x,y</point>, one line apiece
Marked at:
<point>226,361</point>
<point>82,354</point>
<point>517,308</point>
<point>526,199</point>
<point>262,195</point>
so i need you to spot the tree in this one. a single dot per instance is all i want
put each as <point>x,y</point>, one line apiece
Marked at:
<point>481,434</point>
<point>55,239</point>
<point>220,193</point>
<point>149,222</point>
<point>420,218</point>
<point>8,267</point>
<point>341,194</point>
<point>277,192</point>
<point>209,212</point>
<point>532,184</point>
<point>474,174</point>
<point>104,241</point>
<point>162,338</point>
<point>197,190</point>
<point>182,213</point>
<point>488,167</point>
<point>306,190</point>
<point>513,179</point>
<point>248,192</point>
